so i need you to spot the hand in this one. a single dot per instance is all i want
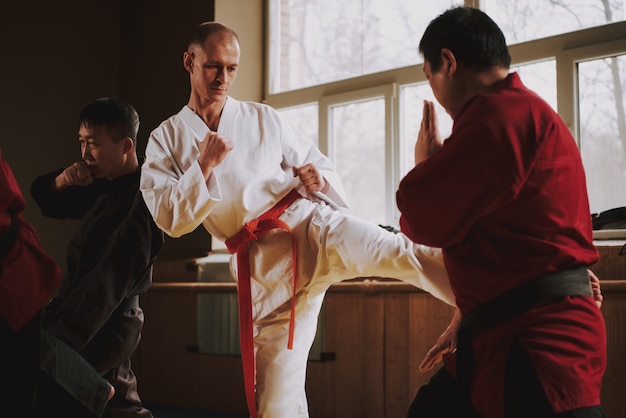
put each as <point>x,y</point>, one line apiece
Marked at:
<point>595,288</point>
<point>111,393</point>
<point>445,345</point>
<point>311,178</point>
<point>428,139</point>
<point>213,150</point>
<point>78,174</point>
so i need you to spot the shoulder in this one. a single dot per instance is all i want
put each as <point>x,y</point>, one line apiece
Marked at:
<point>505,107</point>
<point>262,113</point>
<point>171,122</point>
<point>255,107</point>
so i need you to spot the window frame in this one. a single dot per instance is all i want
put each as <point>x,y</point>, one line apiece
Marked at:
<point>387,92</point>
<point>566,49</point>
<point>569,60</point>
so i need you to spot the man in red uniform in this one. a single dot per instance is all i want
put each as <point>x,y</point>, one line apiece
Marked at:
<point>28,276</point>
<point>505,198</point>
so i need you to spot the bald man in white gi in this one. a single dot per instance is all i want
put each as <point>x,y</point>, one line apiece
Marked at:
<point>256,183</point>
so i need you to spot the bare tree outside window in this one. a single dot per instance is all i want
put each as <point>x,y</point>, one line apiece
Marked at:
<point>540,77</point>
<point>319,41</point>
<point>526,20</point>
<point>603,130</point>
<point>602,119</point>
<point>359,155</point>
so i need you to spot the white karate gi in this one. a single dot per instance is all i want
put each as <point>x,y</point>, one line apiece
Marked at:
<point>332,245</point>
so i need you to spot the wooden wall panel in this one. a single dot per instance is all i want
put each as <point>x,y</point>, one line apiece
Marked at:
<point>397,351</point>
<point>351,384</point>
<point>375,341</point>
<point>429,318</point>
<point>611,265</point>
<point>170,372</point>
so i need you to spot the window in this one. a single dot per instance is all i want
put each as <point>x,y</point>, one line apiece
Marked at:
<point>305,117</point>
<point>540,77</point>
<point>355,65</point>
<point>358,147</point>
<point>319,41</point>
<point>602,129</point>
<point>523,21</point>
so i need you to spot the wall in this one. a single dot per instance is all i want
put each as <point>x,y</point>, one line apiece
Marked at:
<point>155,35</point>
<point>59,56</point>
<point>246,18</point>
<point>56,58</point>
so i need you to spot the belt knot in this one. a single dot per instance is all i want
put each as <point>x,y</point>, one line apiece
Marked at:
<point>250,231</point>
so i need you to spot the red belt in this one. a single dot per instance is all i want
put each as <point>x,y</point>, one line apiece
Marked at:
<point>238,243</point>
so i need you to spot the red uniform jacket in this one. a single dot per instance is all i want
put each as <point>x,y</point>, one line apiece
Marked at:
<point>506,200</point>
<point>28,275</point>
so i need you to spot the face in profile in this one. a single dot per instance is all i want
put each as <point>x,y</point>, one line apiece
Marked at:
<point>104,156</point>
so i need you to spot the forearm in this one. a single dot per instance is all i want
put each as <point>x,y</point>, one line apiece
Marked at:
<point>69,202</point>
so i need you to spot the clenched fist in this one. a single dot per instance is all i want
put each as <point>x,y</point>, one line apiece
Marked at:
<point>213,150</point>
<point>78,174</point>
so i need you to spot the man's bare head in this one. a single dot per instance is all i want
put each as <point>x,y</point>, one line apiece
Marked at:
<point>207,29</point>
<point>212,60</point>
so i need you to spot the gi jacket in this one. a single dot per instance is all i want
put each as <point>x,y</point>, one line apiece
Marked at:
<point>109,260</point>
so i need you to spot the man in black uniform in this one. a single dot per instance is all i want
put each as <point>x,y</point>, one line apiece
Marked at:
<point>109,260</point>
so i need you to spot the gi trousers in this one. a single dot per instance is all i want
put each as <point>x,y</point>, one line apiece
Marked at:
<point>332,246</point>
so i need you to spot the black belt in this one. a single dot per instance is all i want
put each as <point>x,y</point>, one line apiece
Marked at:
<point>8,238</point>
<point>574,282</point>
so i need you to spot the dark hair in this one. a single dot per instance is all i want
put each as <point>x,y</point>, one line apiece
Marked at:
<point>119,117</point>
<point>206,29</point>
<point>472,36</point>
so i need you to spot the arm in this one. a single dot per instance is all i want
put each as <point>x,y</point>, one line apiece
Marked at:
<point>595,288</point>
<point>428,139</point>
<point>472,173</point>
<point>77,174</point>
<point>311,178</point>
<point>28,274</point>
<point>213,150</point>
<point>445,345</point>
<point>66,193</point>
<point>173,183</point>
<point>316,172</point>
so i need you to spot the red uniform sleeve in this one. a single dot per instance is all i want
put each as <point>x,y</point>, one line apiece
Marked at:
<point>28,275</point>
<point>444,196</point>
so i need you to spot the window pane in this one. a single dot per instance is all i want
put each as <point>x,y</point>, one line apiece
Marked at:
<point>540,77</point>
<point>319,41</point>
<point>601,85</point>
<point>304,118</point>
<point>522,21</point>
<point>358,141</point>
